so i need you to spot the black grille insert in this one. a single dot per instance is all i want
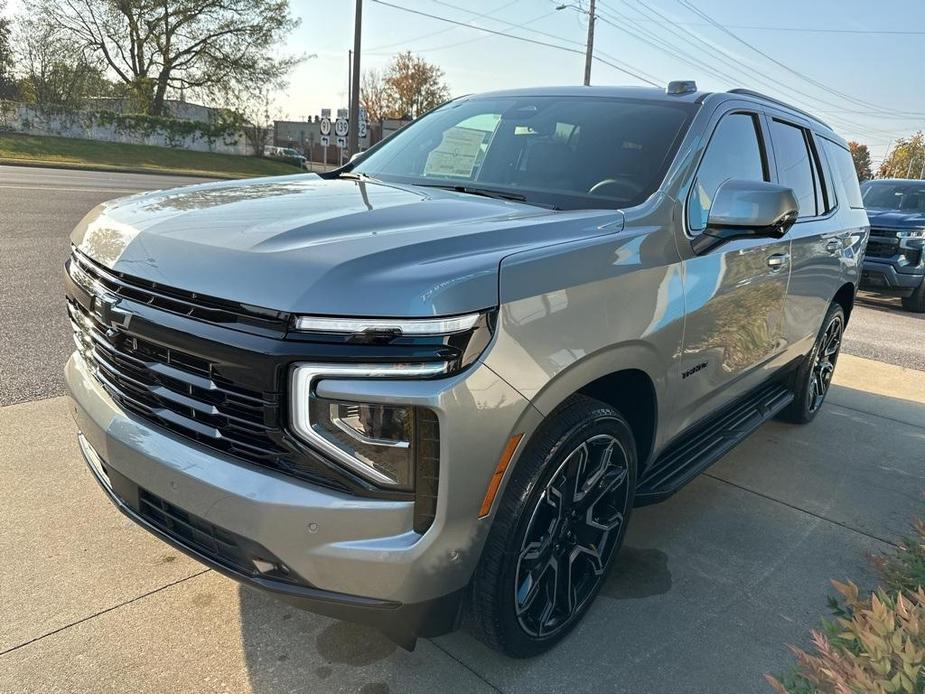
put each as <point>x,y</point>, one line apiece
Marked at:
<point>217,544</point>
<point>181,392</point>
<point>179,301</point>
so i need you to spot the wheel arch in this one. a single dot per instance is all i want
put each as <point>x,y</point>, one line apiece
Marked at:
<point>844,297</point>
<point>632,393</point>
<point>622,377</point>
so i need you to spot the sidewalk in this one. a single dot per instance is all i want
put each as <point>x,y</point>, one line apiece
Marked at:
<point>709,589</point>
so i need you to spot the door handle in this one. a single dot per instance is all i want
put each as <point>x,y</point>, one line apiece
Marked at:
<point>833,246</point>
<point>778,261</point>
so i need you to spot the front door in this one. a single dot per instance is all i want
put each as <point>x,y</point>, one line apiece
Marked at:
<point>735,293</point>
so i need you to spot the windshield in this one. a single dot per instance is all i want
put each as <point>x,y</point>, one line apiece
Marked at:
<point>569,153</point>
<point>907,197</point>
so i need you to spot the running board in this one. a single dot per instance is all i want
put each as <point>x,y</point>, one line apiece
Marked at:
<point>706,443</point>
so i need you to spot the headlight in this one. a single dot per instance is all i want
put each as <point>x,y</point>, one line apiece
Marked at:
<point>455,340</point>
<point>394,445</point>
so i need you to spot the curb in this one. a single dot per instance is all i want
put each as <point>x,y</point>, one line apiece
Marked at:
<point>76,166</point>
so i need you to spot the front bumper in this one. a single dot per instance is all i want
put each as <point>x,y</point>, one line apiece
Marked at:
<point>886,275</point>
<point>357,558</point>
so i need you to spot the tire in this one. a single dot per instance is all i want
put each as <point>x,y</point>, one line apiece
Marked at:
<point>530,542</point>
<point>813,378</point>
<point>916,302</point>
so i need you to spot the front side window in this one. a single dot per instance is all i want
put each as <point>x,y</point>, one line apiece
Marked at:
<point>795,165</point>
<point>563,152</point>
<point>734,152</point>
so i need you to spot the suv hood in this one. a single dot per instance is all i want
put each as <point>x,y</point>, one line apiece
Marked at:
<point>338,247</point>
<point>895,219</point>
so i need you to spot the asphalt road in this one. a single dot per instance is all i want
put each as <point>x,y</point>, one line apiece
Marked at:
<point>39,207</point>
<point>38,210</point>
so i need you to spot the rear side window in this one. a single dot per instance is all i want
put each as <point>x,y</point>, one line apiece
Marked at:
<point>734,152</point>
<point>843,168</point>
<point>796,167</point>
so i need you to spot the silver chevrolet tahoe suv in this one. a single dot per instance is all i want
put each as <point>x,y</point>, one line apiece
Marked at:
<point>428,388</point>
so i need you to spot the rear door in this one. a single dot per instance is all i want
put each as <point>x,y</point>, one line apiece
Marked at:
<point>734,293</point>
<point>817,239</point>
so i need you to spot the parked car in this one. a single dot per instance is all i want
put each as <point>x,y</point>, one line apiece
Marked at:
<point>895,260</point>
<point>288,153</point>
<point>437,380</point>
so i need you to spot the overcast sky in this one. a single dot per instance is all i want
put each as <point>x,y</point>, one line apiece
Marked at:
<point>861,68</point>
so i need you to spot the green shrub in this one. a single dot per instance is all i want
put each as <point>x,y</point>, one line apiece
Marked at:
<point>878,646</point>
<point>904,570</point>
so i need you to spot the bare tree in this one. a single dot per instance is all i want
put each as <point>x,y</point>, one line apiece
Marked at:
<point>414,86</point>
<point>7,83</point>
<point>375,97</point>
<point>53,68</point>
<point>159,47</point>
<point>254,111</point>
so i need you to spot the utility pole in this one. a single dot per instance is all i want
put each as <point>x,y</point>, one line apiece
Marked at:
<point>589,53</point>
<point>589,50</point>
<point>352,137</point>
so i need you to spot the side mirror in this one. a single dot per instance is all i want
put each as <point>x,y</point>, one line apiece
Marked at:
<point>748,209</point>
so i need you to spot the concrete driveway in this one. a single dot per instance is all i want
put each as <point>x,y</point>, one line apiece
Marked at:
<point>709,588</point>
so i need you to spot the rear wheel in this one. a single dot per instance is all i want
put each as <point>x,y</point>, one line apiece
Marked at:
<point>814,376</point>
<point>916,302</point>
<point>558,526</point>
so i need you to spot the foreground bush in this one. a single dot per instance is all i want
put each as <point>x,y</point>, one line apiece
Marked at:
<point>877,643</point>
<point>905,570</point>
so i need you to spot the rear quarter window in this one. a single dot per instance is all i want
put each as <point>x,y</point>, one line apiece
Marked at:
<point>843,169</point>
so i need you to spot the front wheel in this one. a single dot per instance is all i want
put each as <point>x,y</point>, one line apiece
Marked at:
<point>915,302</point>
<point>559,525</point>
<point>814,376</point>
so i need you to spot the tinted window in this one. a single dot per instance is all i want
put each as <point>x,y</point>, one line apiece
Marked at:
<point>734,152</point>
<point>905,197</point>
<point>795,164</point>
<point>843,165</point>
<point>572,152</point>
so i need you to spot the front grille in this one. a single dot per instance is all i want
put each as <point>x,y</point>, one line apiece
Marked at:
<point>880,249</point>
<point>179,301</point>
<point>217,544</point>
<point>181,392</point>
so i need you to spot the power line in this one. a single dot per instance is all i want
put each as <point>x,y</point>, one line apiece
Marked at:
<point>447,46</point>
<point>816,83</point>
<point>436,33</point>
<point>627,70</point>
<point>597,54</point>
<point>806,30</point>
<point>717,52</point>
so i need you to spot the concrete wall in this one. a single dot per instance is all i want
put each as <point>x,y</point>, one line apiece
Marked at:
<point>184,110</point>
<point>31,120</point>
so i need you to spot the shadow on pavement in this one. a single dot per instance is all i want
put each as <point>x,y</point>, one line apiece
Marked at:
<point>709,588</point>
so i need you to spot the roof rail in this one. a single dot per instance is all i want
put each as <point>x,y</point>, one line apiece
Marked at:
<point>765,97</point>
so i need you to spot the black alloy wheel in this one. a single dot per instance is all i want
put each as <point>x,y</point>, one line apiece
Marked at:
<point>558,526</point>
<point>572,531</point>
<point>811,382</point>
<point>824,364</point>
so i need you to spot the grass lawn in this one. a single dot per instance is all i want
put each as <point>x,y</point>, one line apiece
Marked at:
<point>91,154</point>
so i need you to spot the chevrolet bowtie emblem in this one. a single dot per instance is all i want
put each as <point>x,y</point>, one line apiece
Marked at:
<point>105,308</point>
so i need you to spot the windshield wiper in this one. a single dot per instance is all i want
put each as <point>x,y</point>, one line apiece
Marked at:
<point>487,193</point>
<point>355,176</point>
